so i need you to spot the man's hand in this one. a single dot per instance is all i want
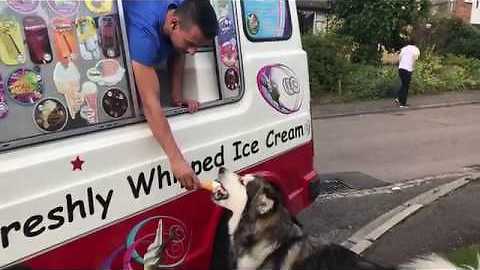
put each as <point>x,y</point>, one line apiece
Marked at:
<point>184,174</point>
<point>192,105</point>
<point>149,89</point>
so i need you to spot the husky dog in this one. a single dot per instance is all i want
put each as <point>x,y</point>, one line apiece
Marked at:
<point>264,235</point>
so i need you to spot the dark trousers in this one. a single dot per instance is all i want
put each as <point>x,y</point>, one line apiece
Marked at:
<point>405,77</point>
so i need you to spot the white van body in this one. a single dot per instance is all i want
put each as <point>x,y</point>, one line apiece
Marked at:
<point>81,202</point>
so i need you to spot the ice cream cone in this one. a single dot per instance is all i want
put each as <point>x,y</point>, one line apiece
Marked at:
<point>209,185</point>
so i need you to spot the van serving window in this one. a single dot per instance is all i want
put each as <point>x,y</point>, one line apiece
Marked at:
<point>213,75</point>
<point>76,77</point>
<point>266,20</point>
<point>64,70</point>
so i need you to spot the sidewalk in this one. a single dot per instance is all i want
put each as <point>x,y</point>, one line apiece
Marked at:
<point>385,105</point>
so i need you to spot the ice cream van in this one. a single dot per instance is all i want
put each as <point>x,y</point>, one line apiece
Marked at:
<point>83,183</point>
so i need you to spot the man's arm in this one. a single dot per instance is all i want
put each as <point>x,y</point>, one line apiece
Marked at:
<point>176,69</point>
<point>149,88</point>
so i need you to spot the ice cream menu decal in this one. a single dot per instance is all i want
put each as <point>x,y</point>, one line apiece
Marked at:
<point>62,68</point>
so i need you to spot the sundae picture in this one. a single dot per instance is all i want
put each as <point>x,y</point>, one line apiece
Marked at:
<point>107,72</point>
<point>50,115</point>
<point>115,103</point>
<point>232,79</point>
<point>89,109</point>
<point>229,54</point>
<point>24,86</point>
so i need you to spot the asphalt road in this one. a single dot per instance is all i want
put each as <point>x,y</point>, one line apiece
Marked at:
<point>398,146</point>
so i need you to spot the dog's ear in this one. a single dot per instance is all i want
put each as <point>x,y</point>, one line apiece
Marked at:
<point>246,179</point>
<point>264,204</point>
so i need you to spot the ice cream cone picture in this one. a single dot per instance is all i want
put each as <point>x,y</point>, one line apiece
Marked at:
<point>89,109</point>
<point>25,86</point>
<point>12,49</point>
<point>67,82</point>
<point>64,37</point>
<point>115,103</point>
<point>87,38</point>
<point>99,6</point>
<point>50,115</point>
<point>3,102</point>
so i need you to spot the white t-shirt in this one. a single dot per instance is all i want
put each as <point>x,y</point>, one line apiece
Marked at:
<point>408,56</point>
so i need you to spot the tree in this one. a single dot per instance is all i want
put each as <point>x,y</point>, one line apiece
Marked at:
<point>375,23</point>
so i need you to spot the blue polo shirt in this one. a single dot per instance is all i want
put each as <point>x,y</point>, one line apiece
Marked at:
<point>144,21</point>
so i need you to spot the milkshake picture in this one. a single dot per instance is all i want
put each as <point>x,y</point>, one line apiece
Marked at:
<point>89,109</point>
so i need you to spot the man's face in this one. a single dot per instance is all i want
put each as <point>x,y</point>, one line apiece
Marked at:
<point>188,39</point>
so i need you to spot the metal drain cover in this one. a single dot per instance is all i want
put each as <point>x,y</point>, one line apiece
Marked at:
<point>328,186</point>
<point>342,182</point>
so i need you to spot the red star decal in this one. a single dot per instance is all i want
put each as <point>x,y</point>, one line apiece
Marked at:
<point>77,164</point>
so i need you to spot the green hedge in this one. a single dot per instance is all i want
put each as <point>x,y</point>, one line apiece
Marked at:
<point>332,73</point>
<point>327,62</point>
<point>450,35</point>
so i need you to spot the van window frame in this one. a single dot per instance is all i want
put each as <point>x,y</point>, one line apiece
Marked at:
<point>267,39</point>
<point>135,103</point>
<point>173,111</point>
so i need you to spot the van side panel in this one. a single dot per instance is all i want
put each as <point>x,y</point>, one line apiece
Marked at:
<point>110,247</point>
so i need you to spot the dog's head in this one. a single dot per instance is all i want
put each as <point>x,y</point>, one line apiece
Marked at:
<point>245,195</point>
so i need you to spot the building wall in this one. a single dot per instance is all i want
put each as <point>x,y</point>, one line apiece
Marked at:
<point>463,9</point>
<point>475,17</point>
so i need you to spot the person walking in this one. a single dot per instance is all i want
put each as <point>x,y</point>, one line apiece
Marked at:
<point>408,57</point>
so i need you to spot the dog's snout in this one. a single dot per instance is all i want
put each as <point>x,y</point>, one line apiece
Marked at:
<point>222,170</point>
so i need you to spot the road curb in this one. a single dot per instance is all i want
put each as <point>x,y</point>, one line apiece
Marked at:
<point>367,235</point>
<point>391,110</point>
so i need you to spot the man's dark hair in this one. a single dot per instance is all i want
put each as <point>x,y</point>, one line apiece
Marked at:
<point>200,13</point>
